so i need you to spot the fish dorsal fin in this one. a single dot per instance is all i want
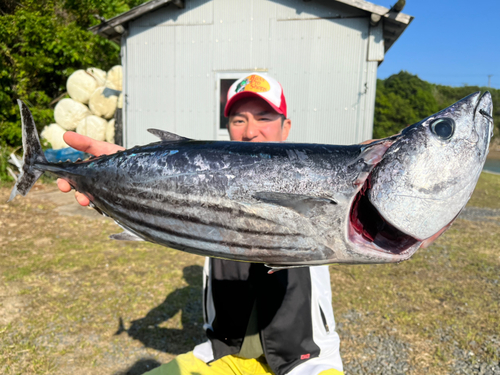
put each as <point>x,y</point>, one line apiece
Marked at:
<point>167,136</point>
<point>303,204</point>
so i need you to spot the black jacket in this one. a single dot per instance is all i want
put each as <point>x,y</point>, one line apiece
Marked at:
<point>288,319</point>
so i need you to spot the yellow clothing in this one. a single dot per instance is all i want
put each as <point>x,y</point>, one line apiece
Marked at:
<point>188,364</point>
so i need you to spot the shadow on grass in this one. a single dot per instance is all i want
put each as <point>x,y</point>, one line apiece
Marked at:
<point>188,301</point>
<point>140,367</point>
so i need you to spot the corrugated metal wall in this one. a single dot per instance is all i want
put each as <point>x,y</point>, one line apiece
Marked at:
<point>324,54</point>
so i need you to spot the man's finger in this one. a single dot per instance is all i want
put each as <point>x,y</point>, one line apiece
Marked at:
<point>82,199</point>
<point>368,141</point>
<point>89,145</point>
<point>63,185</point>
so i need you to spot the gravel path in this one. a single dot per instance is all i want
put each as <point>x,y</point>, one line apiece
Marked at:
<point>481,214</point>
<point>385,355</point>
<point>389,355</point>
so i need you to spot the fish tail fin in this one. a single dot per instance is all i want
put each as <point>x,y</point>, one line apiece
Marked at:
<point>33,154</point>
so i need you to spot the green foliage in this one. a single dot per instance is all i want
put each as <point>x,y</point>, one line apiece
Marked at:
<point>404,99</point>
<point>42,43</point>
<point>4,157</point>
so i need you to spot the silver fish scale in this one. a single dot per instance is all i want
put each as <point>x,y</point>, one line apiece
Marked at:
<point>229,170</point>
<point>202,198</point>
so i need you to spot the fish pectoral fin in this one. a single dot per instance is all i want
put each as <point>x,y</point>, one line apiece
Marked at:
<point>303,204</point>
<point>167,136</point>
<point>125,236</point>
<point>371,154</point>
<point>374,152</point>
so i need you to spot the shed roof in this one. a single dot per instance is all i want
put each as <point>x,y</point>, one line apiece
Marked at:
<point>394,22</point>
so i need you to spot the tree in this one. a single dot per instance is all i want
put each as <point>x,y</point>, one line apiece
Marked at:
<point>401,100</point>
<point>42,42</point>
<point>404,99</point>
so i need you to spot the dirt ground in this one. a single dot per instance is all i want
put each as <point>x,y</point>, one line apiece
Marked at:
<point>494,153</point>
<point>65,307</point>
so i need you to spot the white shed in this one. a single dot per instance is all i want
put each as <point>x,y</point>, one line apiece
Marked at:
<point>179,58</point>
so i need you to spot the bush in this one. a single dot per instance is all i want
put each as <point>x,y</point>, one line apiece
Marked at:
<point>43,42</point>
<point>5,151</point>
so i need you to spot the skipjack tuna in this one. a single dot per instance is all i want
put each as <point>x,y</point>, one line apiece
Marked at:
<point>285,204</point>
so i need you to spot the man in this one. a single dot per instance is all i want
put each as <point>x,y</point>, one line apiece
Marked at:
<point>257,323</point>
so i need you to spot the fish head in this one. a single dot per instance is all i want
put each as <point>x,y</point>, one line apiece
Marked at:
<point>424,179</point>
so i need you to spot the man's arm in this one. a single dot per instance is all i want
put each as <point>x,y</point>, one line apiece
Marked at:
<point>90,146</point>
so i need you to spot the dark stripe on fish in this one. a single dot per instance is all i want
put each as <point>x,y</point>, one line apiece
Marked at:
<point>139,193</point>
<point>155,211</point>
<point>122,217</point>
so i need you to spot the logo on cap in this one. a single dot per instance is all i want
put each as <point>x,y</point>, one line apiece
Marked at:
<point>253,83</point>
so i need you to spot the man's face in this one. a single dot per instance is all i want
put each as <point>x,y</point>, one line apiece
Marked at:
<point>254,120</point>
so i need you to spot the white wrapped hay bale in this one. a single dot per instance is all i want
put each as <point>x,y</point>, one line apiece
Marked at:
<point>114,78</point>
<point>110,131</point>
<point>69,112</point>
<point>103,102</point>
<point>80,85</point>
<point>99,75</point>
<point>120,101</point>
<point>54,135</point>
<point>93,127</point>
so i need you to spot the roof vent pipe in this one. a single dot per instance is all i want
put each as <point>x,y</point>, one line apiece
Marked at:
<point>398,7</point>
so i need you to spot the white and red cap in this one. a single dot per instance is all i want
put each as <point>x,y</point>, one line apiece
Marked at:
<point>260,86</point>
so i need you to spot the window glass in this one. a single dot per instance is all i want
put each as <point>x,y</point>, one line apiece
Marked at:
<point>225,84</point>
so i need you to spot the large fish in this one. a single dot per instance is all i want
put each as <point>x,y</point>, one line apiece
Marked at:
<point>286,204</point>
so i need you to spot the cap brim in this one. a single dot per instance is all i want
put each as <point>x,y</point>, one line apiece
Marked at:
<point>247,94</point>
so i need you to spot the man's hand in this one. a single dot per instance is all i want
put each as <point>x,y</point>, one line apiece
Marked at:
<point>88,145</point>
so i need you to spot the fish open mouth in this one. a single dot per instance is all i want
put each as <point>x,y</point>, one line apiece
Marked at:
<point>367,226</point>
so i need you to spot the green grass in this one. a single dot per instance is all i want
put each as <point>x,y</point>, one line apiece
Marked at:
<point>487,192</point>
<point>65,287</point>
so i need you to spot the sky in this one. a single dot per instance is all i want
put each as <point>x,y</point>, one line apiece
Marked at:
<point>449,42</point>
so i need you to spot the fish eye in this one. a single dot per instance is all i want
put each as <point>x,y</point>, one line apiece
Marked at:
<point>443,127</point>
